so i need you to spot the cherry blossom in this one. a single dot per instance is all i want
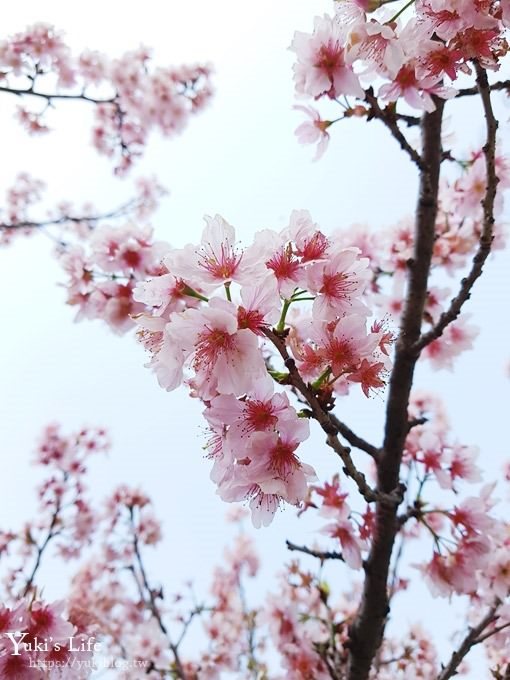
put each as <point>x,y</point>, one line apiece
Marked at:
<point>135,99</point>
<point>271,336</point>
<point>313,130</point>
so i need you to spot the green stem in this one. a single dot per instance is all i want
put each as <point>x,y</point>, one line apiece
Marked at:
<point>281,323</point>
<point>191,292</point>
<point>227,290</point>
<point>278,376</point>
<point>400,11</point>
<point>300,299</point>
<point>321,379</point>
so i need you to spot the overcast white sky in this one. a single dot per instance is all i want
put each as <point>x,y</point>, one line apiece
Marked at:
<point>239,158</point>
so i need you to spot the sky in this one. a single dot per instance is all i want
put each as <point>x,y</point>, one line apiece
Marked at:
<point>239,158</point>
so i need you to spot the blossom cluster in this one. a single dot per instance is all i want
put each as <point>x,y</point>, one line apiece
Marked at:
<point>40,638</point>
<point>380,267</point>
<point>465,532</point>
<point>210,327</point>
<point>25,191</point>
<point>113,601</point>
<point>37,640</point>
<point>104,268</point>
<point>351,533</point>
<point>216,316</point>
<point>23,213</point>
<point>459,223</point>
<point>411,55</point>
<point>109,593</point>
<point>65,514</point>
<point>130,96</point>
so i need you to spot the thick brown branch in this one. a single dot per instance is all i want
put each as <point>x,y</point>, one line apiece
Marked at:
<point>322,556</point>
<point>487,235</point>
<point>368,625</point>
<point>471,639</point>
<point>391,121</point>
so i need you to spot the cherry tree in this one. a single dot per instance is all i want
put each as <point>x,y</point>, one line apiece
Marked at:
<point>271,337</point>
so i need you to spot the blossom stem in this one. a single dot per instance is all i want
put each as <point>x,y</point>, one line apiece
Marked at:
<point>321,379</point>
<point>191,292</point>
<point>301,299</point>
<point>281,323</point>
<point>400,11</point>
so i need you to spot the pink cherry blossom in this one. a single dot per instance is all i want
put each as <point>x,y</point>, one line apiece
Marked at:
<point>339,283</point>
<point>226,358</point>
<point>313,130</point>
<point>321,68</point>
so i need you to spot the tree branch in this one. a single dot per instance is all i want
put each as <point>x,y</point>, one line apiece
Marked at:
<point>469,91</point>
<point>50,96</point>
<point>124,209</point>
<point>52,532</point>
<point>414,422</point>
<point>354,439</point>
<point>366,630</point>
<point>413,512</point>
<point>390,120</point>
<point>151,601</point>
<point>471,639</point>
<point>322,556</point>
<point>410,121</point>
<point>493,631</point>
<point>392,497</point>
<point>487,235</point>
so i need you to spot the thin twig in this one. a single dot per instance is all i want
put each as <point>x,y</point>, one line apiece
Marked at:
<point>197,611</point>
<point>354,439</point>
<point>471,639</point>
<point>151,601</point>
<point>322,556</point>
<point>54,95</point>
<point>493,631</point>
<point>393,498</point>
<point>414,422</point>
<point>253,664</point>
<point>487,235</point>
<point>469,91</point>
<point>410,121</point>
<point>413,512</point>
<point>41,548</point>
<point>64,219</point>
<point>391,121</point>
<point>324,419</point>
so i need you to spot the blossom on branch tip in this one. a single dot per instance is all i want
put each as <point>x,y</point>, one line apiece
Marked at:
<point>321,68</point>
<point>313,130</point>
